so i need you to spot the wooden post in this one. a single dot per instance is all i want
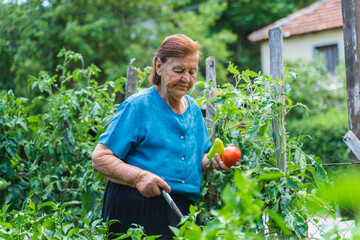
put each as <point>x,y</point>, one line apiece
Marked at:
<point>353,143</point>
<point>212,195</point>
<point>210,92</point>
<point>276,71</point>
<point>351,27</point>
<point>131,78</point>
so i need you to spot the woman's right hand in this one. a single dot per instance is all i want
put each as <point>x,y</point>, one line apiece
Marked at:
<point>149,184</point>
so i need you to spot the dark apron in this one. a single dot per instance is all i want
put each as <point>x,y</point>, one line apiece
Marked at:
<point>128,206</point>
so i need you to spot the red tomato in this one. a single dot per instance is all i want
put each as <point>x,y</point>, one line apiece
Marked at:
<point>230,155</point>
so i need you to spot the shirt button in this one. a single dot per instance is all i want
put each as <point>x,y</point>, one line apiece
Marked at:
<point>182,137</point>
<point>183,181</point>
<point>183,158</point>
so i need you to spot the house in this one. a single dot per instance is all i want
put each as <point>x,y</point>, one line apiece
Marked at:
<point>316,28</point>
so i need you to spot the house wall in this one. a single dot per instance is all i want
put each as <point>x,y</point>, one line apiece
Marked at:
<point>303,46</point>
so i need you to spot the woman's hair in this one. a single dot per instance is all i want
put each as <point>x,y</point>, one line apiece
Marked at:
<point>177,45</point>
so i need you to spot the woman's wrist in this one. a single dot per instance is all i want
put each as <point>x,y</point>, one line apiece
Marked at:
<point>206,164</point>
<point>139,177</point>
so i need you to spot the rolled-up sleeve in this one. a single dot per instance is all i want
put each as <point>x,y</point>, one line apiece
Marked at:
<point>122,133</point>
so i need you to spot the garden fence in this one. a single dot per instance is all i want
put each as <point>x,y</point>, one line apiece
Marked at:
<point>319,223</point>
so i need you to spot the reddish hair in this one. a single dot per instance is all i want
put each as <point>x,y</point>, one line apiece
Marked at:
<point>177,45</point>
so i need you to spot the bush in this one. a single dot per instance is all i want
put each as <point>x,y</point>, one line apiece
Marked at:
<point>315,88</point>
<point>325,132</point>
<point>325,116</point>
<point>47,142</point>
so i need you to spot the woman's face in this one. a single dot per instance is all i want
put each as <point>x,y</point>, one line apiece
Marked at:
<point>178,75</point>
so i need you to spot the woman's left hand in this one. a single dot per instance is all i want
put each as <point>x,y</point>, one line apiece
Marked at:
<point>216,163</point>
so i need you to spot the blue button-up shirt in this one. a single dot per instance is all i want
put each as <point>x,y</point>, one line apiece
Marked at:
<point>148,134</point>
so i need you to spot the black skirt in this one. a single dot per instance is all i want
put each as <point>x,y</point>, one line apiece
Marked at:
<point>128,206</point>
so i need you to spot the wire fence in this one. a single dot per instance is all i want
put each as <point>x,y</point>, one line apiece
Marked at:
<point>321,224</point>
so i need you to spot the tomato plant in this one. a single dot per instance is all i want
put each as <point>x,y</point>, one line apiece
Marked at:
<point>47,141</point>
<point>249,103</point>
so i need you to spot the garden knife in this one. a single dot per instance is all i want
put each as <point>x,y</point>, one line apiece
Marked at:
<point>172,204</point>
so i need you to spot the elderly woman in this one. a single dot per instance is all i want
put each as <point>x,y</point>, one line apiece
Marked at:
<point>157,140</point>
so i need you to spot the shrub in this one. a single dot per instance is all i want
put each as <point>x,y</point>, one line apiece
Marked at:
<point>324,134</point>
<point>325,115</point>
<point>46,142</point>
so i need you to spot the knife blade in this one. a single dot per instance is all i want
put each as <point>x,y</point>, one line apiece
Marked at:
<point>172,204</point>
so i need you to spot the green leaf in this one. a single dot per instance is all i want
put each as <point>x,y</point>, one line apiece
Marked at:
<point>6,225</point>
<point>253,132</point>
<point>270,176</point>
<point>319,170</point>
<point>71,203</point>
<point>33,119</point>
<point>85,220</point>
<point>289,101</point>
<point>27,150</point>
<point>6,168</point>
<point>22,123</point>
<point>279,221</point>
<point>89,198</point>
<point>285,204</point>
<point>228,195</point>
<point>124,236</point>
<point>32,205</point>
<point>300,158</point>
<point>47,204</point>
<point>70,136</point>
<point>49,224</point>
<point>192,209</point>
<point>11,150</point>
<point>95,109</point>
<point>96,222</point>
<point>292,184</point>
<point>66,227</point>
<point>193,232</point>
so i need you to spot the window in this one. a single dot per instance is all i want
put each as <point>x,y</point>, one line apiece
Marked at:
<point>330,53</point>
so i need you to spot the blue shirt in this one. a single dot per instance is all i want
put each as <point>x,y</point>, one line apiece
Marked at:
<point>148,134</point>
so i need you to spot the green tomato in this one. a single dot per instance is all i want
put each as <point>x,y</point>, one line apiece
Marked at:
<point>3,184</point>
<point>302,195</point>
<point>47,180</point>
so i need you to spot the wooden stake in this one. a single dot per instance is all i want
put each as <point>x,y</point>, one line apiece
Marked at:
<point>351,27</point>
<point>210,92</point>
<point>131,79</point>
<point>276,72</point>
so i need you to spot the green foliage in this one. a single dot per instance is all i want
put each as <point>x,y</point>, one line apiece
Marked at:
<point>323,134</point>
<point>325,117</point>
<point>107,33</point>
<point>244,16</point>
<point>49,220</point>
<point>45,155</point>
<point>245,112</point>
<point>254,14</point>
<point>49,152</point>
<point>326,90</point>
<point>49,190</point>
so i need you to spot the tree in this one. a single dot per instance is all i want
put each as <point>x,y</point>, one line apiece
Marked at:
<point>107,33</point>
<point>245,16</point>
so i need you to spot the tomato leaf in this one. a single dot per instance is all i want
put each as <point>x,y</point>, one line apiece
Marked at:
<point>279,221</point>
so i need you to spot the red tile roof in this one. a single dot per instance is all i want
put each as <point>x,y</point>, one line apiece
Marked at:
<point>321,15</point>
